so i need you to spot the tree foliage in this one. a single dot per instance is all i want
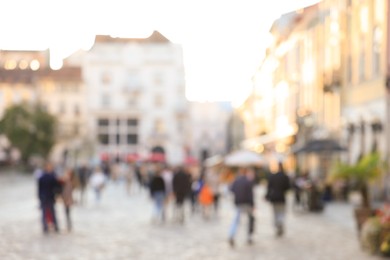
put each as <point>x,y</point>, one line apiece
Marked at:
<point>368,168</point>
<point>30,129</point>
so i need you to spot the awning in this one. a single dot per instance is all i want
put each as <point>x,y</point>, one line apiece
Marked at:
<point>319,145</point>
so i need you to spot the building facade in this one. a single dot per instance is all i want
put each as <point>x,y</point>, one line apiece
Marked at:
<point>136,96</point>
<point>25,76</point>
<point>323,77</point>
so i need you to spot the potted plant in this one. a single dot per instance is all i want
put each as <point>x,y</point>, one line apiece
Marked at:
<point>367,169</point>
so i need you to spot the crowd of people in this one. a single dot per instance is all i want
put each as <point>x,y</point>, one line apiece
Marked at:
<point>164,184</point>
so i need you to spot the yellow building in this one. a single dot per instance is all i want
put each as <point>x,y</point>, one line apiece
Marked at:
<point>297,87</point>
<point>363,93</point>
<point>322,77</point>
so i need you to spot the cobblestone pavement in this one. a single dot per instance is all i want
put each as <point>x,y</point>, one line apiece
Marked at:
<point>120,227</point>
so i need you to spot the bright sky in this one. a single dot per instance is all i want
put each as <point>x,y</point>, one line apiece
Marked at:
<point>223,40</point>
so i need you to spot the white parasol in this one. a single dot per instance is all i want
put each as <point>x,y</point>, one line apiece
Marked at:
<point>242,158</point>
<point>213,161</point>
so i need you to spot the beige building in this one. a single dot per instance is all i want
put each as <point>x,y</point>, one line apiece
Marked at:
<point>25,76</point>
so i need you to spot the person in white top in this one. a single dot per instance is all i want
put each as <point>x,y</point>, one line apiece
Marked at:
<point>98,182</point>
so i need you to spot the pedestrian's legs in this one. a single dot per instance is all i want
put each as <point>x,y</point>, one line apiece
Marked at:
<point>97,193</point>
<point>68,218</point>
<point>194,201</point>
<point>159,205</point>
<point>44,218</point>
<point>82,189</point>
<point>234,226</point>
<point>279,213</point>
<point>251,225</point>
<point>216,202</point>
<point>180,209</point>
<point>51,209</point>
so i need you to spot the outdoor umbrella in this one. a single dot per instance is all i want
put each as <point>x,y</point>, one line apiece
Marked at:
<point>213,161</point>
<point>320,145</point>
<point>243,158</point>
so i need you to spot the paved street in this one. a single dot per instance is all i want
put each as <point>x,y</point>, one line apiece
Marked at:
<point>121,228</point>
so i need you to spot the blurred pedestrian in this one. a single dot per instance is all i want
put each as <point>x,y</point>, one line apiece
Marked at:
<point>214,180</point>
<point>157,192</point>
<point>128,171</point>
<point>278,185</point>
<point>242,189</point>
<point>48,186</point>
<point>98,181</point>
<point>206,199</point>
<point>83,174</point>
<point>181,188</point>
<point>167,175</point>
<point>67,195</point>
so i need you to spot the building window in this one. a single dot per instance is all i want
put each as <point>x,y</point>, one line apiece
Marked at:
<point>349,69</point>
<point>377,39</point>
<point>132,139</point>
<point>23,64</point>
<point>362,65</point>
<point>158,101</point>
<point>118,138</point>
<point>10,65</point>
<point>103,139</point>
<point>105,100</point>
<point>159,126</point>
<point>106,78</point>
<point>103,122</point>
<point>132,122</point>
<point>34,65</point>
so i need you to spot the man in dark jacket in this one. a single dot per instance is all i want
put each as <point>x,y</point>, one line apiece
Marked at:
<point>157,192</point>
<point>48,188</point>
<point>278,185</point>
<point>242,189</point>
<point>181,185</point>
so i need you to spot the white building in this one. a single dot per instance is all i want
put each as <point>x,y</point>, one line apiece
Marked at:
<point>135,96</point>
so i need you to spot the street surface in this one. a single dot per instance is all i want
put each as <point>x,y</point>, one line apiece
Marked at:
<point>120,227</point>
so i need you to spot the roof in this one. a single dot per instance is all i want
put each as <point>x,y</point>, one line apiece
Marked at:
<point>283,26</point>
<point>27,76</point>
<point>155,37</point>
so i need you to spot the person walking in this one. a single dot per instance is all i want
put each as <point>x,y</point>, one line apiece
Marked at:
<point>242,189</point>
<point>214,180</point>
<point>181,185</point>
<point>278,185</point>
<point>67,181</point>
<point>158,193</point>
<point>97,182</point>
<point>48,186</point>
<point>82,175</point>
<point>206,199</point>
